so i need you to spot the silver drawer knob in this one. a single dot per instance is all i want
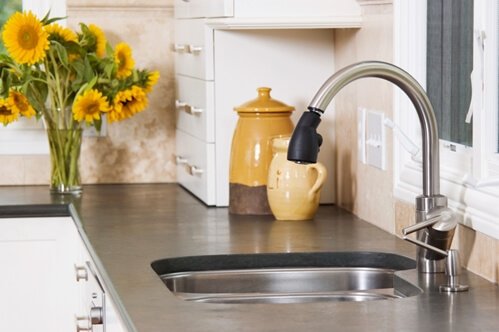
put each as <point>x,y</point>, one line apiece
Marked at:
<point>193,170</point>
<point>81,273</point>
<point>189,109</point>
<point>194,49</point>
<point>97,316</point>
<point>180,160</point>
<point>180,48</point>
<point>83,324</point>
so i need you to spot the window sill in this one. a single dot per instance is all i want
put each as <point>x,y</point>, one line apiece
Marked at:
<point>474,205</point>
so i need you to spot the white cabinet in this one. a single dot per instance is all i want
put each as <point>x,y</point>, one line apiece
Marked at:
<point>37,283</point>
<point>41,258</point>
<point>224,53</point>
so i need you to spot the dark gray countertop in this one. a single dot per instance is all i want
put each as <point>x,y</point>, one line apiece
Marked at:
<point>129,226</point>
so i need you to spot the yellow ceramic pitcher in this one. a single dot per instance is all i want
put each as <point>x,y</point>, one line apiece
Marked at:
<point>293,189</point>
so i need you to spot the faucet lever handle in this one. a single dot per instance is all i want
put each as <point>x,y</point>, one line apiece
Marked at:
<point>420,225</point>
<point>426,246</point>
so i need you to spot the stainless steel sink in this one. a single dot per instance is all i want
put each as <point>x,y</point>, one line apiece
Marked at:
<point>340,277</point>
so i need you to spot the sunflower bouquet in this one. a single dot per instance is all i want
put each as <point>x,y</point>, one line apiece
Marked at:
<point>68,79</point>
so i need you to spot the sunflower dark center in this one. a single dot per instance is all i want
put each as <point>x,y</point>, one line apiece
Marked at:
<point>27,38</point>
<point>122,60</point>
<point>20,103</point>
<point>93,108</point>
<point>5,110</point>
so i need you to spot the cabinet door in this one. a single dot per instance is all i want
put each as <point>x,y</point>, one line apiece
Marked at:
<point>98,310</point>
<point>37,283</point>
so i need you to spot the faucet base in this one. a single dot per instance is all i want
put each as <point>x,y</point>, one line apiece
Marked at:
<point>425,265</point>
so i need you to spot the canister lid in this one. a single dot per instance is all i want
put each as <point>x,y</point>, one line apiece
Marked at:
<point>263,104</point>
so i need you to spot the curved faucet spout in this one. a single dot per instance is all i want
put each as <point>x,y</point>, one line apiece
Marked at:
<point>305,142</point>
<point>424,109</point>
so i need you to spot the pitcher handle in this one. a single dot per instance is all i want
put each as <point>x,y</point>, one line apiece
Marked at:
<point>321,177</point>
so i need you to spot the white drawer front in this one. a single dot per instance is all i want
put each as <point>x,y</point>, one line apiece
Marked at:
<point>295,8</point>
<point>196,166</point>
<point>193,49</point>
<point>195,105</point>
<point>203,8</point>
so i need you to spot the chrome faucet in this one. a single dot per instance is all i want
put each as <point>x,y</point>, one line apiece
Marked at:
<point>435,223</point>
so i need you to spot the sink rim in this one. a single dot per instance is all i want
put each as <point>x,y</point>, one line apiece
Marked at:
<point>371,259</point>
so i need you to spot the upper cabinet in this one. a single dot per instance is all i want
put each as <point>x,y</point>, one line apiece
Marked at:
<point>264,14</point>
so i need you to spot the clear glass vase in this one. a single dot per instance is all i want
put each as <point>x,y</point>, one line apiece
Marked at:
<point>65,147</point>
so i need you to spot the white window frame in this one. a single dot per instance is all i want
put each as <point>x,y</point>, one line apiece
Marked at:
<point>27,136</point>
<point>469,176</point>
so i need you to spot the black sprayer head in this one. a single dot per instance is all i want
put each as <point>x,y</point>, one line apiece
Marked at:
<point>305,142</point>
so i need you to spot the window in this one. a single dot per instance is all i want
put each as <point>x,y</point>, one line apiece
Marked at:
<point>434,44</point>
<point>449,63</point>
<point>27,136</point>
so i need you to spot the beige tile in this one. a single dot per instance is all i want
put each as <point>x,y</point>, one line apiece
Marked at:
<point>11,170</point>
<point>364,190</point>
<point>496,255</point>
<point>36,169</point>
<point>477,252</point>
<point>404,216</point>
<point>119,3</point>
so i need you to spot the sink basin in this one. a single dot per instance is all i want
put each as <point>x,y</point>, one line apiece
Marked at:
<point>287,277</point>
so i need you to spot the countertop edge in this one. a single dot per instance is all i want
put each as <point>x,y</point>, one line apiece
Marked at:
<point>35,210</point>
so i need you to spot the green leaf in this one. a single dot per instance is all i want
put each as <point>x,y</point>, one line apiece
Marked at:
<point>98,124</point>
<point>62,54</point>
<point>109,50</point>
<point>108,69</point>
<point>46,17</point>
<point>54,19</point>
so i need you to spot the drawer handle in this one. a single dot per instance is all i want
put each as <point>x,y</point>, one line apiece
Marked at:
<point>193,170</point>
<point>180,160</point>
<point>180,48</point>
<point>189,109</point>
<point>193,49</point>
<point>81,273</point>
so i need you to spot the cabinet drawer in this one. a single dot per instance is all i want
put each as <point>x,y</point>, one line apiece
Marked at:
<point>196,166</point>
<point>203,8</point>
<point>193,49</point>
<point>195,107</point>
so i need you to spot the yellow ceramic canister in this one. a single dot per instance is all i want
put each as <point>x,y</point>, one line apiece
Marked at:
<point>293,189</point>
<point>260,120</point>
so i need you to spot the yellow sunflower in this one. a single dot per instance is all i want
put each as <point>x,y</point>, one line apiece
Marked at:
<point>127,103</point>
<point>61,33</point>
<point>7,113</point>
<point>100,40</point>
<point>123,59</point>
<point>89,105</point>
<point>20,104</point>
<point>25,38</point>
<point>152,79</point>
